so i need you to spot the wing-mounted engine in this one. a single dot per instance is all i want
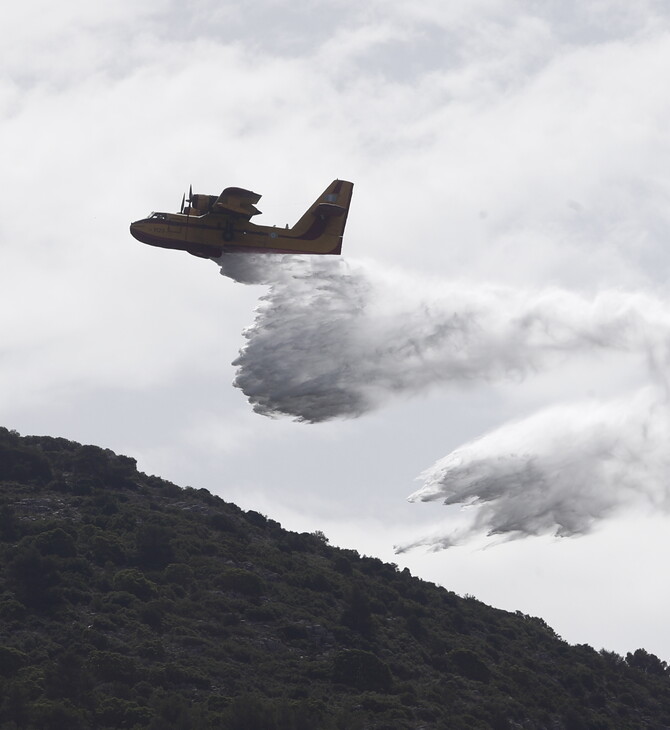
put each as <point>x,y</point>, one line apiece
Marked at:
<point>237,201</point>
<point>201,204</point>
<point>197,204</point>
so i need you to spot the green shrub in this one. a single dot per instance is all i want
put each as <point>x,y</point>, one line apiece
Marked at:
<point>179,574</point>
<point>114,712</point>
<point>11,609</point>
<point>111,666</point>
<point>34,578</point>
<point>24,464</point>
<point>646,662</point>
<point>242,581</point>
<point>154,546</point>
<point>362,670</point>
<point>469,665</point>
<point>358,614</point>
<point>134,581</point>
<point>107,549</point>
<point>57,715</point>
<point>56,542</point>
<point>11,660</point>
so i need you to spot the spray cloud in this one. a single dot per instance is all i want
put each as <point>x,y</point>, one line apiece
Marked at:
<point>336,339</point>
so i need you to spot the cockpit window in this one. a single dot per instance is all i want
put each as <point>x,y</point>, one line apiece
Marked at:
<point>158,216</point>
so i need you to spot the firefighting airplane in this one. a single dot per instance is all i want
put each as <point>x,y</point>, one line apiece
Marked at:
<point>209,225</point>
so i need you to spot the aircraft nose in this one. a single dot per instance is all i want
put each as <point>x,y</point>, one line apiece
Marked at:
<point>135,231</point>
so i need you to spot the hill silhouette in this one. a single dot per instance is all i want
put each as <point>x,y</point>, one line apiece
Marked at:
<point>130,602</point>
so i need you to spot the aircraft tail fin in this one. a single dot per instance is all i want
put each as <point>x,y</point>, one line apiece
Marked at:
<point>324,221</point>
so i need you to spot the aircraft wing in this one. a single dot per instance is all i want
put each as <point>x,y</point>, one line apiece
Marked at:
<point>237,201</point>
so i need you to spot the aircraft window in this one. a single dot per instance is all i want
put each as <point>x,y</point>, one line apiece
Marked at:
<point>159,216</point>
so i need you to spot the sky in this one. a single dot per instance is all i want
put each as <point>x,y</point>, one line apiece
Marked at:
<point>476,389</point>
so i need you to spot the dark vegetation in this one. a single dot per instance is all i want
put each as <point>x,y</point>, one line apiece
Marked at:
<point>128,602</point>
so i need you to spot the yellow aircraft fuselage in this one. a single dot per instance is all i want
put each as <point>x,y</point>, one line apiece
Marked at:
<point>211,226</point>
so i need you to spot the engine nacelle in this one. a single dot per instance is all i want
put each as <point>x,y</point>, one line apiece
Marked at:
<point>202,203</point>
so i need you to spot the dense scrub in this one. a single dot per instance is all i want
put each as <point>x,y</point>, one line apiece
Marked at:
<point>128,602</point>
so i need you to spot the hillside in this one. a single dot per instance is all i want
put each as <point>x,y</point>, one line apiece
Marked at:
<point>129,602</point>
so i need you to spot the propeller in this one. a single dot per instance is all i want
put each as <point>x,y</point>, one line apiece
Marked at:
<point>188,200</point>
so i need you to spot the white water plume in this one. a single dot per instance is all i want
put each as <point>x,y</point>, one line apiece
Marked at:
<point>558,472</point>
<point>335,339</point>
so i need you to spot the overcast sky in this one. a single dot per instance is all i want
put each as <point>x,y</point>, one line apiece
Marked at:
<point>496,334</point>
